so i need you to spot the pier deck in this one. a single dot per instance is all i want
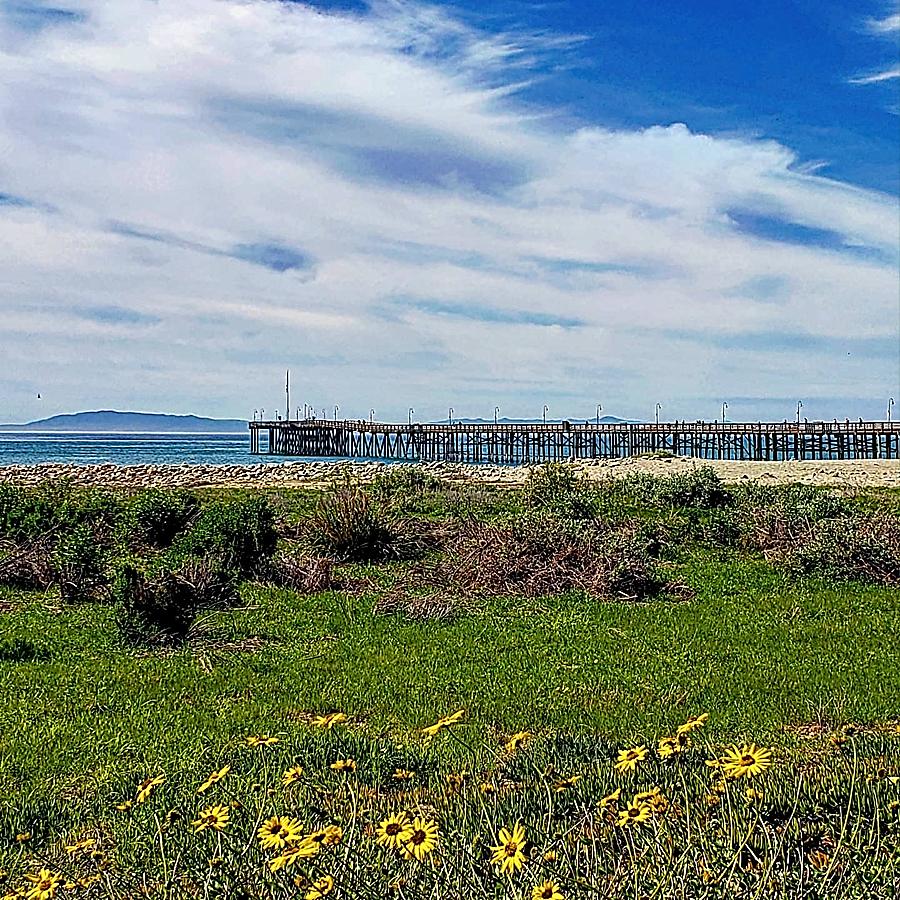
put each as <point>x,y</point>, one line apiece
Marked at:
<point>511,444</point>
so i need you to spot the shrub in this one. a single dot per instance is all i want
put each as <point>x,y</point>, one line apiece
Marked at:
<point>541,556</point>
<point>156,517</point>
<point>404,483</point>
<point>858,547</point>
<point>300,572</point>
<point>27,566</point>
<point>560,489</point>
<point>78,563</point>
<point>239,534</point>
<point>774,518</point>
<point>352,526</point>
<point>161,608</point>
<point>701,487</point>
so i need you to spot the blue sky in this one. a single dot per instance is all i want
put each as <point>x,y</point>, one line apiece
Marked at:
<point>473,204</point>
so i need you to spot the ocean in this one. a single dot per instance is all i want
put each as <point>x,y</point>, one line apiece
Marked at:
<point>28,448</point>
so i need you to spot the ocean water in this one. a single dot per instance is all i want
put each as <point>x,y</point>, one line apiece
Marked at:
<point>127,449</point>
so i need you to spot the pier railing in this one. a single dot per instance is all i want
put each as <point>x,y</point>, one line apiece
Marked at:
<point>509,443</point>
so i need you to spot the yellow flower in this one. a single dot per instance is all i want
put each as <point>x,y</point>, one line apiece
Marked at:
<point>610,799</point>
<point>292,775</point>
<point>693,723</point>
<point>147,785</point>
<point>329,835</point>
<point>214,778</point>
<point>549,890</point>
<point>637,811</point>
<point>322,887</point>
<point>216,817</point>
<point>344,765</point>
<point>748,759</point>
<point>261,740</point>
<point>43,885</point>
<point>486,787</point>
<point>403,775</point>
<point>124,807</point>
<point>82,846</point>
<point>628,759</point>
<point>304,850</point>
<point>564,784</point>
<point>443,722</point>
<point>670,746</point>
<point>508,853</point>
<point>517,741</point>
<point>455,780</point>
<point>753,795</point>
<point>422,840</point>
<point>279,831</point>
<point>394,831</point>
<point>328,721</point>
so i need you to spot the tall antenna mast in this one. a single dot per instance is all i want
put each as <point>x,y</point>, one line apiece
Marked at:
<point>287,395</point>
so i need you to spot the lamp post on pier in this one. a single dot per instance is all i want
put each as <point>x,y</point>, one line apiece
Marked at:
<point>409,416</point>
<point>546,410</point>
<point>724,407</point>
<point>336,408</point>
<point>799,407</point>
<point>890,407</point>
<point>599,409</point>
<point>371,416</point>
<point>658,408</point>
<point>450,416</point>
<point>496,414</point>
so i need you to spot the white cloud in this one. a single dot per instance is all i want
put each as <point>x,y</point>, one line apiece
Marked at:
<point>887,25</point>
<point>162,146</point>
<point>876,77</point>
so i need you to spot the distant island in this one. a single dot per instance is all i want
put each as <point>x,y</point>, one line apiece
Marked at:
<point>110,421</point>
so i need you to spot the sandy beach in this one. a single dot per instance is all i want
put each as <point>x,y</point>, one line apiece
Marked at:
<point>845,474</point>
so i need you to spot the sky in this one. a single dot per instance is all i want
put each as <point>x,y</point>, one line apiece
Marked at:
<point>474,205</point>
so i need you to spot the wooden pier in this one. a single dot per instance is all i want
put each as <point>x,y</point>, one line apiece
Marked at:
<point>513,444</point>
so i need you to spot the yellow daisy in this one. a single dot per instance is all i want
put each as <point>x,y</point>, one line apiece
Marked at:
<point>145,788</point>
<point>748,759</point>
<point>82,846</point>
<point>565,784</point>
<point>329,720</point>
<point>403,775</point>
<point>443,722</point>
<point>693,723</point>
<point>671,746</point>
<point>508,853</point>
<point>292,775</point>
<point>322,887</point>
<point>394,831</point>
<point>44,885</point>
<point>627,760</point>
<point>637,811</point>
<point>216,817</point>
<point>344,765</point>
<point>327,836</point>
<point>610,799</point>
<point>422,840</point>
<point>304,850</point>
<point>517,741</point>
<point>261,740</point>
<point>278,832</point>
<point>549,890</point>
<point>214,778</point>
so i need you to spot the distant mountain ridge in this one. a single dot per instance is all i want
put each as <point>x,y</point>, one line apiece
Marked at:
<point>111,421</point>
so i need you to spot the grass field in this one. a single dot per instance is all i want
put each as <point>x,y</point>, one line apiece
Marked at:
<point>803,665</point>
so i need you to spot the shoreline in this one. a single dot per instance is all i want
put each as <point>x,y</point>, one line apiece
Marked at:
<point>830,473</point>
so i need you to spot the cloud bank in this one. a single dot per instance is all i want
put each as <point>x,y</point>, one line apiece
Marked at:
<point>198,194</point>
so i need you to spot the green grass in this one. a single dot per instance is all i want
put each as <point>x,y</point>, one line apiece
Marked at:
<point>780,660</point>
<point>754,650</point>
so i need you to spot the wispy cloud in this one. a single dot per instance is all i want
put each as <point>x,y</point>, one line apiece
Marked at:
<point>877,77</point>
<point>232,187</point>
<point>887,25</point>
